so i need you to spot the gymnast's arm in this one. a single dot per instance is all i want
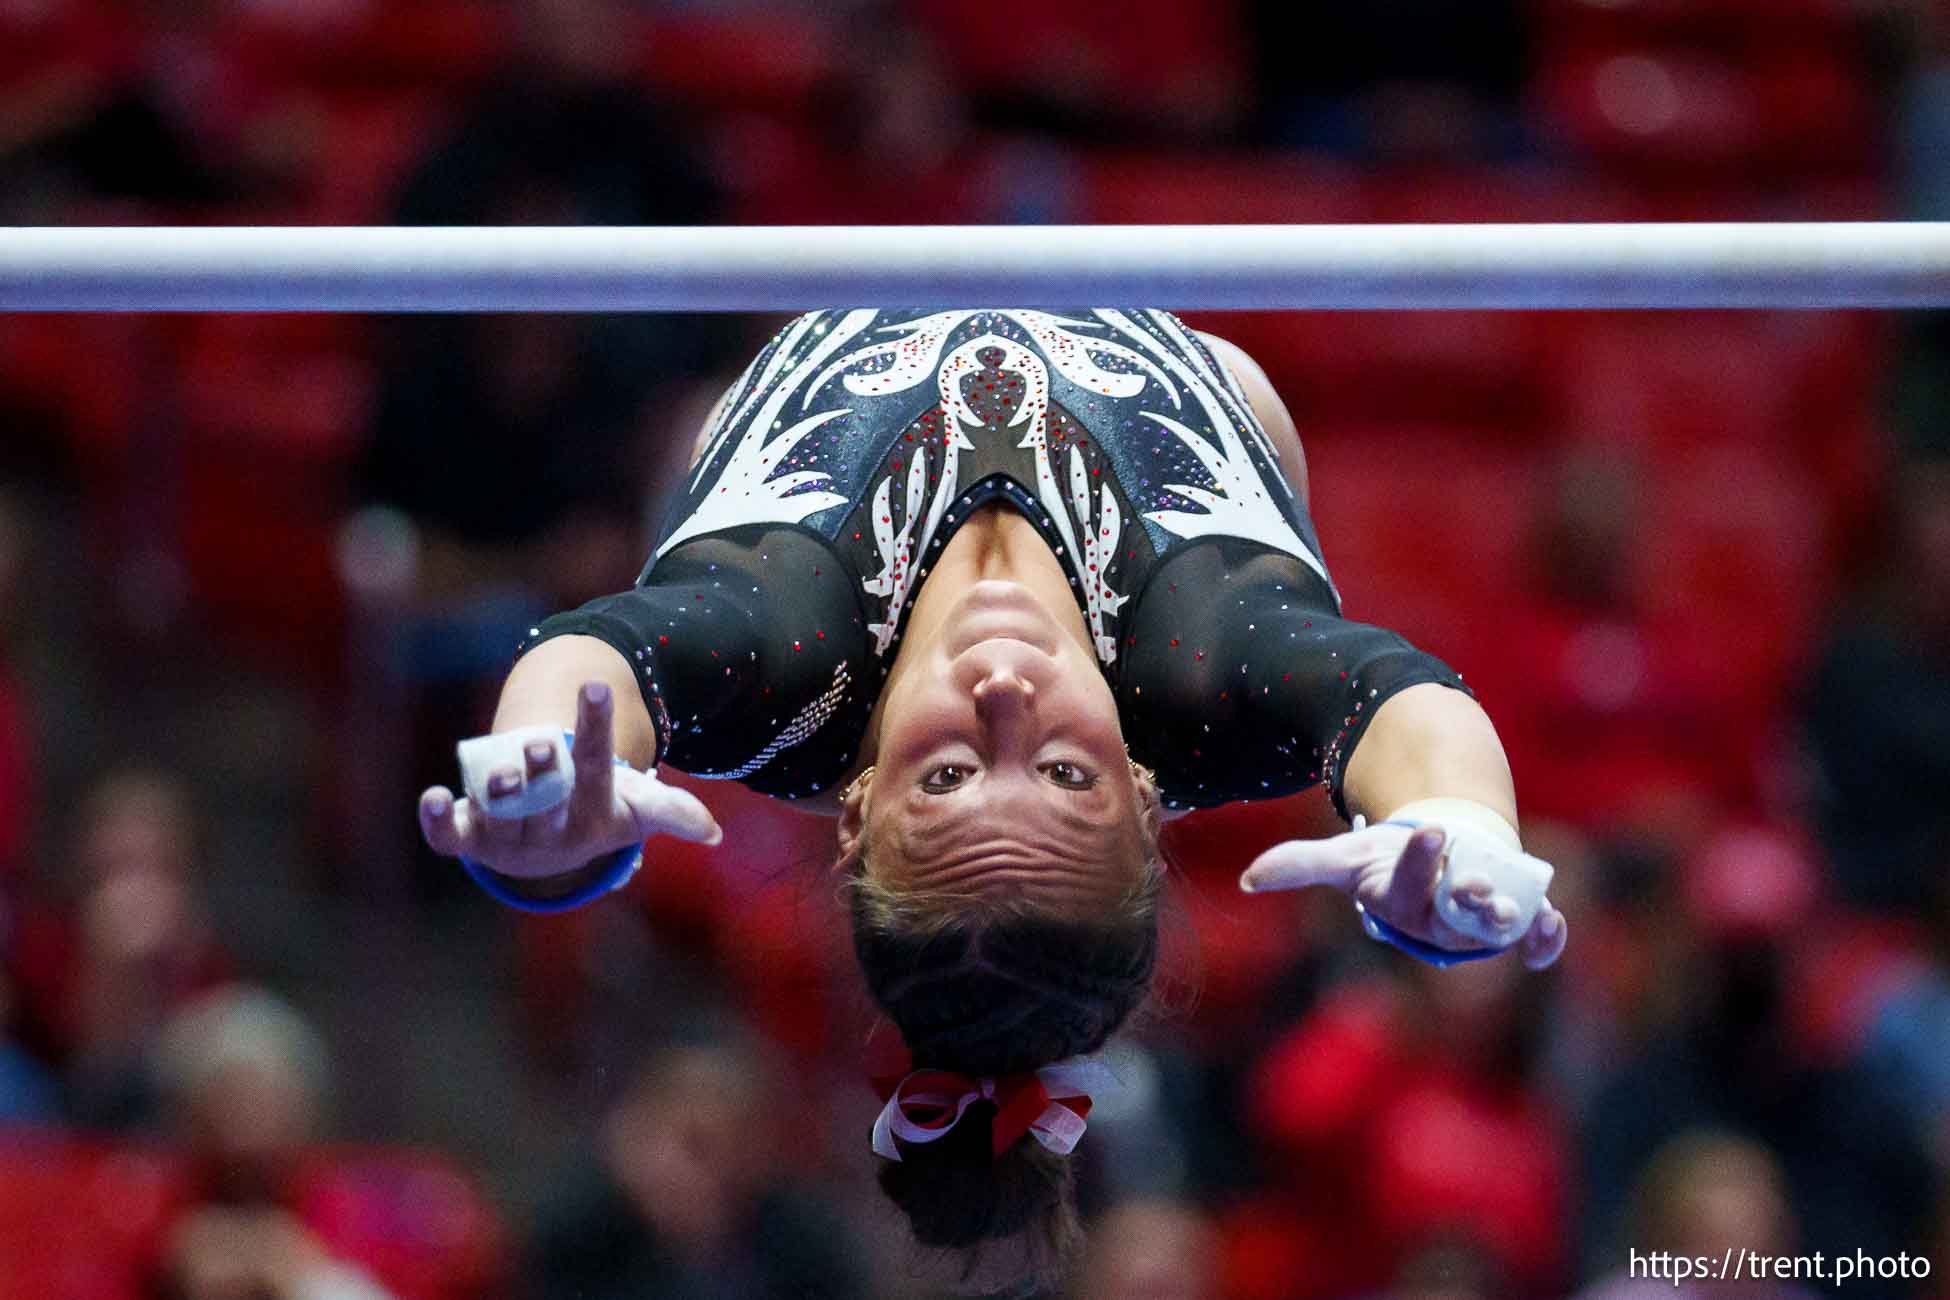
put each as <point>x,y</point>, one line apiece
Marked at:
<point>542,689</point>
<point>1428,741</point>
<point>1439,868</point>
<point>1427,750</point>
<point>580,684</point>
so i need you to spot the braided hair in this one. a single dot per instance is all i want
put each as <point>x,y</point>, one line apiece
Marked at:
<point>986,986</point>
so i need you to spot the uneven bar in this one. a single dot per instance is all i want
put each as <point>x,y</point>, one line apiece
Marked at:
<point>790,268</point>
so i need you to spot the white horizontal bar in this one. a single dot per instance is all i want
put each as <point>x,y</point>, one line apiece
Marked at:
<point>788,268</point>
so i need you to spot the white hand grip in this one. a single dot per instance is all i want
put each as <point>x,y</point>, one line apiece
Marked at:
<point>1515,875</point>
<point>508,749</point>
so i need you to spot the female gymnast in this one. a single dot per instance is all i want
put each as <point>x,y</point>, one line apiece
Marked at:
<point>999,590</point>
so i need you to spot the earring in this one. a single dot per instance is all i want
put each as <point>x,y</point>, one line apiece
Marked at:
<point>1139,772</point>
<point>865,772</point>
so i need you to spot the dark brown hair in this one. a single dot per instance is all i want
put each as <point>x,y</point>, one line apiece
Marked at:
<point>990,987</point>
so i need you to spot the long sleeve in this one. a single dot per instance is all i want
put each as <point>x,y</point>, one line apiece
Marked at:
<point>1243,681</point>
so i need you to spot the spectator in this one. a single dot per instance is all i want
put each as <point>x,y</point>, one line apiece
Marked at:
<point>16,769</point>
<point>522,448</point>
<point>1450,1268</point>
<point>535,431</point>
<point>1702,1195</point>
<point>889,140</point>
<point>1150,1249</point>
<point>101,973</point>
<point>1878,706</point>
<point>1609,714</point>
<point>1405,80</point>
<point>1919,34</point>
<point>679,1198</point>
<point>1094,72</point>
<point>29,1092</point>
<point>142,104</point>
<point>245,1076</point>
<point>1908,1034</point>
<point>1399,1118</point>
<point>1852,1168</point>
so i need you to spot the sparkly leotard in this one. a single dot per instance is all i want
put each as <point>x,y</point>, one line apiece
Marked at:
<point>857,442</point>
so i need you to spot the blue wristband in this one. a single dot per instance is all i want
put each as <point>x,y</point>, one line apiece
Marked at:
<point>1420,949</point>
<point>615,872</point>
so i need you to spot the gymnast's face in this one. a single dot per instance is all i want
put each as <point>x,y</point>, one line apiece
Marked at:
<point>1001,764</point>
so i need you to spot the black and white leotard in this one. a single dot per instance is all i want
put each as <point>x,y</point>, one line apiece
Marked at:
<point>857,442</point>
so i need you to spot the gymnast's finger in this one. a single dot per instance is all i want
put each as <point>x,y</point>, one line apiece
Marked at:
<point>676,812</point>
<point>1544,941</point>
<point>1416,870</point>
<point>1478,896</point>
<point>1299,863</point>
<point>481,836</point>
<point>593,752</point>
<point>540,757</point>
<point>439,823</point>
<point>481,826</point>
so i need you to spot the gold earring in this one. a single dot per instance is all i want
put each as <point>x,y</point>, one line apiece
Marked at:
<point>865,772</point>
<point>1139,772</point>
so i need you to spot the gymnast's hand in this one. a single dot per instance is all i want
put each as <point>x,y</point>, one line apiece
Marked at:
<point>611,806</point>
<point>1392,871</point>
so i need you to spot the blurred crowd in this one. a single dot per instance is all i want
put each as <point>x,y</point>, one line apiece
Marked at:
<point>258,574</point>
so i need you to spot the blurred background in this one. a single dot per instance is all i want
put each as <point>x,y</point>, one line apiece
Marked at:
<point>257,575</point>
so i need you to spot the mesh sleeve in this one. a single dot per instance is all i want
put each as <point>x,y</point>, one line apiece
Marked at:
<point>1244,682</point>
<point>747,644</point>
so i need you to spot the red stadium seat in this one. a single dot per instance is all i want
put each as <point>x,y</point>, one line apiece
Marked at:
<point>1424,531</point>
<point>1738,21</point>
<point>86,370</point>
<point>756,908</point>
<point>762,907</point>
<point>1379,1144</point>
<point>1653,109</point>
<point>1163,60</point>
<point>769,59</point>
<point>83,1219</point>
<point>1666,385</point>
<point>1193,188</point>
<point>1486,1164</point>
<point>368,144</point>
<point>1277,1247</point>
<point>78,1219</point>
<point>272,410</point>
<point>375,47</point>
<point>1232,948</point>
<point>63,35</point>
<point>1470,370</point>
<point>1843,972</point>
<point>1800,386</point>
<point>1497,194</point>
<point>1670,109</point>
<point>1820,111</point>
<point>1737,550</point>
<point>409,1217</point>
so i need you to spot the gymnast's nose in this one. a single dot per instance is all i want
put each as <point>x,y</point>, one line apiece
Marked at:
<point>1003,690</point>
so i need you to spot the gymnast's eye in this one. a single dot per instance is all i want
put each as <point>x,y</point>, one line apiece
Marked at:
<point>947,777</point>
<point>1069,776</point>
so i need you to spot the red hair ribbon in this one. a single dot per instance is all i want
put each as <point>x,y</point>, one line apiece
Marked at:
<point>1049,1104</point>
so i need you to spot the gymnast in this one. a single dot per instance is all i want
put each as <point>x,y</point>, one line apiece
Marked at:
<point>999,591</point>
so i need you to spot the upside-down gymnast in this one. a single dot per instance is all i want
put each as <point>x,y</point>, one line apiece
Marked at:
<point>999,591</point>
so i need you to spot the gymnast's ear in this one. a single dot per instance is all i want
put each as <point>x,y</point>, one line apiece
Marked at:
<point>853,818</point>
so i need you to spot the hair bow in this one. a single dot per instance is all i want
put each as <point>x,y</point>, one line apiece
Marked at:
<point>1049,1104</point>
